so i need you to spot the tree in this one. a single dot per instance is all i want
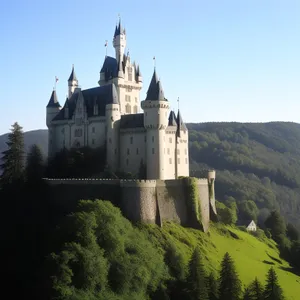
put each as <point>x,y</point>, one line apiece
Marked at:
<point>248,210</point>
<point>13,157</point>
<point>292,232</point>
<point>276,224</point>
<point>272,289</point>
<point>196,278</point>
<point>247,295</point>
<point>229,283</point>
<point>256,290</point>
<point>35,164</point>
<point>212,287</point>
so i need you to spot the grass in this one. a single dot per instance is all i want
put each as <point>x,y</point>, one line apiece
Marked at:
<point>252,257</point>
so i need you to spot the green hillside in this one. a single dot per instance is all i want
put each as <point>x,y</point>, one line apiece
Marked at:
<point>252,257</point>
<point>254,161</point>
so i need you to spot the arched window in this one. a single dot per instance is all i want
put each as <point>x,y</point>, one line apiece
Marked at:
<point>128,108</point>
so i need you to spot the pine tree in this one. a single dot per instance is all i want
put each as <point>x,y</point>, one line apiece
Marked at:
<point>256,290</point>
<point>35,164</point>
<point>272,289</point>
<point>196,278</point>
<point>229,283</point>
<point>247,295</point>
<point>212,287</point>
<point>13,157</point>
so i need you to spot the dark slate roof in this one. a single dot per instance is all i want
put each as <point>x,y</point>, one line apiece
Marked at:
<point>155,91</point>
<point>110,68</point>
<point>180,123</point>
<point>132,121</point>
<point>102,95</point>
<point>72,75</point>
<point>53,102</point>
<point>119,29</point>
<point>172,119</point>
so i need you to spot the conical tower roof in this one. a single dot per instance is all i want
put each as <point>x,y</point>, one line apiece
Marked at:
<point>180,124</point>
<point>72,75</point>
<point>155,90</point>
<point>53,102</point>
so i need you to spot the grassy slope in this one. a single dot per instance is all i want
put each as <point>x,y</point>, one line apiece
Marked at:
<point>252,257</point>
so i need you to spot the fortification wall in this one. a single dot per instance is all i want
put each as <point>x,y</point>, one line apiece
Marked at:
<point>149,201</point>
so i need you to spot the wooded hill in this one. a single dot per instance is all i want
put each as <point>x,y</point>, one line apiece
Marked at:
<point>254,161</point>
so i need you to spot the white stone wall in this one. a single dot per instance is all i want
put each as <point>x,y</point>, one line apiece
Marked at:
<point>169,150</point>
<point>182,154</point>
<point>132,150</point>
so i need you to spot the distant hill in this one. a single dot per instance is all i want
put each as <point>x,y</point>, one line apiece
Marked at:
<point>254,161</point>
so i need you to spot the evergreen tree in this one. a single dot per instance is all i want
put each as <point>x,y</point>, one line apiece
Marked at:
<point>276,224</point>
<point>196,278</point>
<point>35,164</point>
<point>272,289</point>
<point>292,232</point>
<point>212,287</point>
<point>13,157</point>
<point>229,283</point>
<point>256,290</point>
<point>247,295</point>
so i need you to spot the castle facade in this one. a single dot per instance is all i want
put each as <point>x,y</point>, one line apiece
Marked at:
<point>135,134</point>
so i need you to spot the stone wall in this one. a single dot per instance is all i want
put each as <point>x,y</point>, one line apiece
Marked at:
<point>149,201</point>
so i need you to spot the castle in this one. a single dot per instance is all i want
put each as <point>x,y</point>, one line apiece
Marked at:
<point>109,116</point>
<point>157,140</point>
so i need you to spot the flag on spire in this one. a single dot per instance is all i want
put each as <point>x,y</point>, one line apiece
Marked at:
<point>56,79</point>
<point>105,45</point>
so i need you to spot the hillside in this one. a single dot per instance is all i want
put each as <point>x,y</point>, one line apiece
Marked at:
<point>252,257</point>
<point>254,161</point>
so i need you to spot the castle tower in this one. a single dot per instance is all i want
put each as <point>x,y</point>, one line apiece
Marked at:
<point>156,109</point>
<point>113,117</point>
<point>72,83</point>
<point>119,41</point>
<point>52,110</point>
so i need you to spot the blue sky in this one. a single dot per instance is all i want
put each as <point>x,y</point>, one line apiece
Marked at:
<point>227,60</point>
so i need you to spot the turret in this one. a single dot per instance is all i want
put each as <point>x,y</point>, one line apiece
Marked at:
<point>52,108</point>
<point>156,109</point>
<point>138,75</point>
<point>119,41</point>
<point>113,116</point>
<point>72,83</point>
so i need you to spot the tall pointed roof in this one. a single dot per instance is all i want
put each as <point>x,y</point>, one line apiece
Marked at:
<point>73,75</point>
<point>172,119</point>
<point>180,123</point>
<point>155,91</point>
<point>53,102</point>
<point>119,30</point>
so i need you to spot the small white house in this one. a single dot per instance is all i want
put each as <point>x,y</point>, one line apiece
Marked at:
<point>252,226</point>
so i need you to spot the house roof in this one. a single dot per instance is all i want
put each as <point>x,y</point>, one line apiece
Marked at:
<point>72,75</point>
<point>172,119</point>
<point>132,121</point>
<point>100,96</point>
<point>181,125</point>
<point>53,102</point>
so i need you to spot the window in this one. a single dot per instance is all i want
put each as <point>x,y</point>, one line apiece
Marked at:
<point>109,140</point>
<point>127,161</point>
<point>170,140</point>
<point>145,138</point>
<point>186,160</point>
<point>115,151</point>
<point>63,131</point>
<point>137,151</point>
<point>135,109</point>
<point>152,150</point>
<point>129,70</point>
<point>135,99</point>
<point>170,160</point>
<point>178,161</point>
<point>93,141</point>
<point>78,132</point>
<point>185,151</point>
<point>131,140</point>
<point>127,98</point>
<point>93,129</point>
<point>95,109</point>
<point>168,151</point>
<point>128,151</point>
<point>152,139</point>
<point>128,109</point>
<point>178,151</point>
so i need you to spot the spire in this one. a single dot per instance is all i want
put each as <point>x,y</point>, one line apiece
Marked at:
<point>155,90</point>
<point>53,102</point>
<point>73,75</point>
<point>172,119</point>
<point>119,30</point>
<point>180,125</point>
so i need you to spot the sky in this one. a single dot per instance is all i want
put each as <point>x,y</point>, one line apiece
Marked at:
<point>226,60</point>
